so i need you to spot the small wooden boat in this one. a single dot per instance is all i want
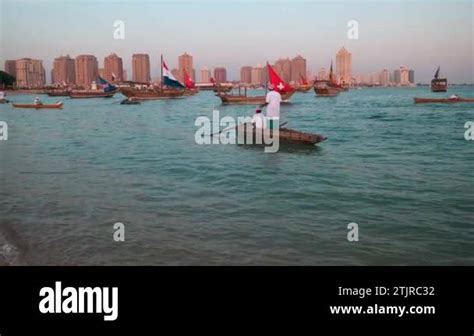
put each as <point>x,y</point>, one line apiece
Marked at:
<point>239,99</point>
<point>329,94</point>
<point>285,135</point>
<point>329,88</point>
<point>228,99</point>
<point>58,93</point>
<point>205,87</point>
<point>323,90</point>
<point>304,88</point>
<point>439,84</point>
<point>152,94</point>
<point>3,100</point>
<point>222,88</point>
<point>92,94</point>
<point>39,106</point>
<point>130,101</point>
<point>443,100</point>
<point>191,92</point>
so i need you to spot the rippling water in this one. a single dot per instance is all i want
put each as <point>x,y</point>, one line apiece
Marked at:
<point>402,172</point>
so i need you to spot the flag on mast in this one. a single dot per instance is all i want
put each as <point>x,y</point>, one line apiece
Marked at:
<point>106,86</point>
<point>168,78</point>
<point>188,82</point>
<point>278,84</point>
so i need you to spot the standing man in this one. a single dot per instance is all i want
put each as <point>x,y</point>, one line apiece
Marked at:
<point>272,101</point>
<point>258,119</point>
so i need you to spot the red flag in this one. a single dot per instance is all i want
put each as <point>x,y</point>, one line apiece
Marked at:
<point>213,80</point>
<point>188,81</point>
<point>278,84</point>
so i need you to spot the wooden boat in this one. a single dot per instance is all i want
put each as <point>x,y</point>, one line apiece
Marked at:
<point>205,87</point>
<point>58,93</point>
<point>329,88</point>
<point>274,79</point>
<point>92,94</point>
<point>190,86</point>
<point>152,94</point>
<point>3,100</point>
<point>221,88</point>
<point>130,101</point>
<point>285,135</point>
<point>191,92</point>
<point>304,88</point>
<point>323,90</point>
<point>228,99</point>
<point>439,84</point>
<point>39,106</point>
<point>338,87</point>
<point>327,94</point>
<point>443,100</point>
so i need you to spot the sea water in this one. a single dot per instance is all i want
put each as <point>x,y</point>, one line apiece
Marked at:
<point>402,172</point>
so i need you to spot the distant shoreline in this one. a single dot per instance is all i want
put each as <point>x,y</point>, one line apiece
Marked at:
<point>45,91</point>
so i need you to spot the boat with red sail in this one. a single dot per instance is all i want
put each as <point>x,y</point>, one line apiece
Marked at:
<point>190,86</point>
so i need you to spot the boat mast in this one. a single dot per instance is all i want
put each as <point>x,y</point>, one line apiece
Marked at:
<point>161,77</point>
<point>267,78</point>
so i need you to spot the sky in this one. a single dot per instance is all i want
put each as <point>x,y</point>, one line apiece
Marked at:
<point>418,34</point>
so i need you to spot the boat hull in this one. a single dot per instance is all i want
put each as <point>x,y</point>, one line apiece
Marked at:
<point>439,85</point>
<point>326,91</point>
<point>152,94</point>
<point>285,135</point>
<point>191,92</point>
<point>58,93</point>
<point>303,88</point>
<point>92,94</point>
<point>442,100</point>
<point>39,106</point>
<point>246,100</point>
<point>220,88</point>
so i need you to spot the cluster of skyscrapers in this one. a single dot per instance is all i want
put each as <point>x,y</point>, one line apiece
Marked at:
<point>28,72</point>
<point>84,69</point>
<point>399,77</point>
<point>290,70</point>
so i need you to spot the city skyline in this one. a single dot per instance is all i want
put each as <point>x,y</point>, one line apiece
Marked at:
<point>390,36</point>
<point>84,70</point>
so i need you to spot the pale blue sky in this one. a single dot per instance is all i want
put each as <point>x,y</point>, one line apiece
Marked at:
<point>418,34</point>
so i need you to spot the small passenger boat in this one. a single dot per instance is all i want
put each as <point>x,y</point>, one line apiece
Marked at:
<point>40,106</point>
